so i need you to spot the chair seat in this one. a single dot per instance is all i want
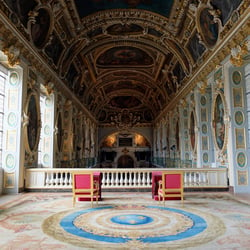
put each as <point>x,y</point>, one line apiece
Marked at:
<point>171,186</point>
<point>84,187</point>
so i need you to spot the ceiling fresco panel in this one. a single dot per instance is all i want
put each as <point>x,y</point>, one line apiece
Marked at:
<point>124,102</point>
<point>124,29</point>
<point>124,56</point>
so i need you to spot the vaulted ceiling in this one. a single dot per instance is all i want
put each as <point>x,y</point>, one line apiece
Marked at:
<point>122,55</point>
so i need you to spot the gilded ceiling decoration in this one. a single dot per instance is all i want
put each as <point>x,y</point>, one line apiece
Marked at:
<point>116,56</point>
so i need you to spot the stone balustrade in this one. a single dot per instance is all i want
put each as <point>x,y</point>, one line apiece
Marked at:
<point>60,178</point>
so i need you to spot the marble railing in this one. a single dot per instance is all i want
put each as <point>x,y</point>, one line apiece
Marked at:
<point>60,178</point>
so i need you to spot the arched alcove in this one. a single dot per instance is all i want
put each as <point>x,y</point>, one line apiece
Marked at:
<point>125,161</point>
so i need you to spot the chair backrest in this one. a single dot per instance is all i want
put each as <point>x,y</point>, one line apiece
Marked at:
<point>82,180</point>
<point>172,179</point>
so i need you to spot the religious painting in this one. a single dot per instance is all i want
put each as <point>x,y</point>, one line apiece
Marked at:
<point>179,72</point>
<point>54,49</point>
<point>218,121</point>
<point>124,102</point>
<point>33,123</point>
<point>192,130</point>
<point>124,29</point>
<point>195,48</point>
<point>141,141</point>
<point>161,7</point>
<point>41,28</point>
<point>208,28</point>
<point>109,141</point>
<point>124,56</point>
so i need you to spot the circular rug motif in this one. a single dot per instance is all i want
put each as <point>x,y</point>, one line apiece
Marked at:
<point>133,226</point>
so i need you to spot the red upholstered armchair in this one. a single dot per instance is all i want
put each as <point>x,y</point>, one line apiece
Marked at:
<point>171,185</point>
<point>84,186</point>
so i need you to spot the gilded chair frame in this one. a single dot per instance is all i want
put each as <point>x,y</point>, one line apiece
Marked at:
<point>168,190</point>
<point>91,191</point>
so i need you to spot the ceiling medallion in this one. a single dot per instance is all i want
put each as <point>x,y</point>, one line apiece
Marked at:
<point>125,120</point>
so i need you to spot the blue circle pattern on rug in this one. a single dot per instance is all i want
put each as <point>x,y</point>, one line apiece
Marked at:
<point>132,219</point>
<point>199,225</point>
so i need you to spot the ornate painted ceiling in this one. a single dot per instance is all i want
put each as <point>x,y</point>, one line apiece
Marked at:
<point>132,56</point>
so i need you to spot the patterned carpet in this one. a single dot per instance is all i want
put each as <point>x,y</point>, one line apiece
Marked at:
<point>124,221</point>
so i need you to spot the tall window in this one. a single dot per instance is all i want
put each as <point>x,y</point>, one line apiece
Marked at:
<point>3,76</point>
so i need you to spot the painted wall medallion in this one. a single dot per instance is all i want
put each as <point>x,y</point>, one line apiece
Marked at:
<point>48,102</point>
<point>10,162</point>
<point>241,159</point>
<point>12,119</point>
<point>203,100</point>
<point>236,77</point>
<point>218,120</point>
<point>47,130</point>
<point>14,79</point>
<point>204,128</point>
<point>239,118</point>
<point>46,159</point>
<point>205,157</point>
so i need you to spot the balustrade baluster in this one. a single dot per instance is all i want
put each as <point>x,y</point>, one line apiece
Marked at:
<point>46,179</point>
<point>148,179</point>
<point>130,179</point>
<point>61,179</point>
<point>112,180</point>
<point>194,179</point>
<point>117,184</point>
<point>143,179</point>
<point>125,179</point>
